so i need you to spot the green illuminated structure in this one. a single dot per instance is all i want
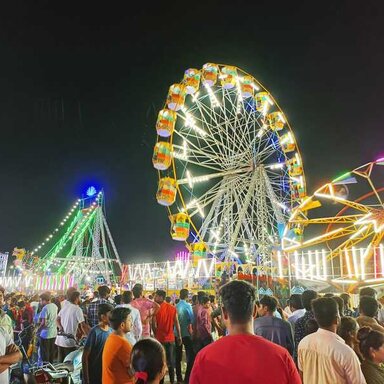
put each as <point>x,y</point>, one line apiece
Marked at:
<point>84,249</point>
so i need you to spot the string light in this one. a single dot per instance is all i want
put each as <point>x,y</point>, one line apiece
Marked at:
<point>49,237</point>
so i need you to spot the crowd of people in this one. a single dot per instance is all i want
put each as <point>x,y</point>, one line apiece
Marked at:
<point>232,338</point>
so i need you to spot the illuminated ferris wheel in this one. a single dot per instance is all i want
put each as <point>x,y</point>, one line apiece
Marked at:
<point>228,163</point>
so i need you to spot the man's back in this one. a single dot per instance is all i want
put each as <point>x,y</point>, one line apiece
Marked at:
<point>165,320</point>
<point>144,306</point>
<point>276,330</point>
<point>70,317</point>
<point>92,313</point>
<point>244,359</point>
<point>185,315</point>
<point>323,357</point>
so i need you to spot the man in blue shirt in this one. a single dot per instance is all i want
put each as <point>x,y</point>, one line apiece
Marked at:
<point>93,350</point>
<point>185,315</point>
<point>272,328</point>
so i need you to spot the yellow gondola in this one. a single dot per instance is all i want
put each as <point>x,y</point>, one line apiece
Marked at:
<point>276,121</point>
<point>247,87</point>
<point>209,74</point>
<point>176,97</point>
<point>294,168</point>
<point>162,157</point>
<point>180,226</point>
<point>191,80</point>
<point>228,77</point>
<point>287,143</point>
<point>263,102</point>
<point>199,251</point>
<point>166,121</point>
<point>166,191</point>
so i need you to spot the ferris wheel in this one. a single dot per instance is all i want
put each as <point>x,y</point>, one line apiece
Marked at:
<point>343,219</point>
<point>229,167</point>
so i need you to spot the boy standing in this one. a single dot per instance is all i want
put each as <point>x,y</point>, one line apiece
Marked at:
<point>93,350</point>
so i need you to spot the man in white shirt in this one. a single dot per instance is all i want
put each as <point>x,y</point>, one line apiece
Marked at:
<point>296,308</point>
<point>137,328</point>
<point>9,354</point>
<point>69,319</point>
<point>323,356</point>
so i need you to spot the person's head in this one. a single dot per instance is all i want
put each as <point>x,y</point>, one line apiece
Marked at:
<point>137,291</point>
<point>194,299</point>
<point>160,296</point>
<point>168,299</point>
<point>184,294</point>
<point>212,299</point>
<point>307,298</point>
<point>326,312</point>
<point>104,291</point>
<point>238,302</point>
<point>368,291</point>
<point>371,344</point>
<point>205,302</point>
<point>347,329</point>
<point>347,300</point>
<point>295,302</point>
<point>311,326</point>
<point>148,361</point>
<point>126,297</point>
<point>340,304</point>
<point>200,296</point>
<point>95,295</point>
<point>45,298</point>
<point>74,297</point>
<point>70,290</point>
<point>329,294</point>
<point>120,319</point>
<point>103,312</point>
<point>267,306</point>
<point>368,306</point>
<point>117,299</point>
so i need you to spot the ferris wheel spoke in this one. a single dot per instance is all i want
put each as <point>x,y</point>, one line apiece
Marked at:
<point>232,119</point>
<point>190,180</point>
<point>197,151</point>
<point>203,111</point>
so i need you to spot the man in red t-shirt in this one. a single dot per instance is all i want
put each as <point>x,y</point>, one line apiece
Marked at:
<point>166,322</point>
<point>242,357</point>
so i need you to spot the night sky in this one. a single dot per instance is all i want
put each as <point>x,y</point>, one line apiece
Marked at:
<point>81,85</point>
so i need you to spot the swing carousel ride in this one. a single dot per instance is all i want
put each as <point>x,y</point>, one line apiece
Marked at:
<point>344,227</point>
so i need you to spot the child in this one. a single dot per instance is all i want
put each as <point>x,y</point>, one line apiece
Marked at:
<point>93,350</point>
<point>148,361</point>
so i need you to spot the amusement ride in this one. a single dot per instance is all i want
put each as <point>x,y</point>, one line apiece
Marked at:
<point>230,171</point>
<point>80,250</point>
